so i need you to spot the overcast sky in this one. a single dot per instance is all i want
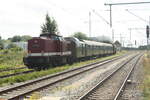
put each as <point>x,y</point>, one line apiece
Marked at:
<point>25,17</point>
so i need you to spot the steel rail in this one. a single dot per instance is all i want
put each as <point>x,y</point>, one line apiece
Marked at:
<point>4,70</point>
<point>66,71</point>
<point>52,76</point>
<point>125,81</point>
<point>18,73</point>
<point>104,80</point>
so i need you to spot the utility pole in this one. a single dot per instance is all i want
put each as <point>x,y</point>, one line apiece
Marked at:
<point>111,4</point>
<point>130,30</point>
<point>130,36</point>
<point>110,16</point>
<point>104,21</point>
<point>120,39</point>
<point>130,33</point>
<point>149,29</point>
<point>89,24</point>
<point>112,35</point>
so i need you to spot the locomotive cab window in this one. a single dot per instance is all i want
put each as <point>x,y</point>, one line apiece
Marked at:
<point>54,37</point>
<point>60,38</point>
<point>35,46</point>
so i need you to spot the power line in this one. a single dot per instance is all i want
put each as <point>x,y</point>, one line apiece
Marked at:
<point>89,24</point>
<point>125,21</point>
<point>127,3</point>
<point>140,9</point>
<point>137,16</point>
<point>101,17</point>
<point>111,4</point>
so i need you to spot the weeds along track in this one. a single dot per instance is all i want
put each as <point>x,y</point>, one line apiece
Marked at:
<point>110,87</point>
<point>15,92</point>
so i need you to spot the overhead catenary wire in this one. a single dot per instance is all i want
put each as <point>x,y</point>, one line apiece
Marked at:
<point>101,17</point>
<point>137,16</point>
<point>126,3</point>
<point>63,9</point>
<point>139,9</point>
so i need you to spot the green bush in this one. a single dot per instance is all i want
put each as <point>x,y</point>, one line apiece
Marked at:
<point>16,49</point>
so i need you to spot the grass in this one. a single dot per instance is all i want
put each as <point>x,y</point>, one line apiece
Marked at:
<point>11,58</point>
<point>146,82</point>
<point>34,75</point>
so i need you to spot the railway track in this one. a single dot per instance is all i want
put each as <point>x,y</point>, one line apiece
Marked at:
<point>122,88</point>
<point>15,92</point>
<point>110,88</point>
<point>10,69</point>
<point>15,74</point>
<point>24,72</point>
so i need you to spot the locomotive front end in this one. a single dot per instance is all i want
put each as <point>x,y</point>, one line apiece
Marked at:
<point>36,53</point>
<point>46,51</point>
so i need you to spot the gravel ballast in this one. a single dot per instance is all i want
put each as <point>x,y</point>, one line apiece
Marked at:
<point>133,90</point>
<point>71,89</point>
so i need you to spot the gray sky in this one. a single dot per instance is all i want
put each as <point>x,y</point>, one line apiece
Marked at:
<point>25,17</point>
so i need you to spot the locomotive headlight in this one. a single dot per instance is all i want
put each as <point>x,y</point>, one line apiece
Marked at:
<point>29,53</point>
<point>35,41</point>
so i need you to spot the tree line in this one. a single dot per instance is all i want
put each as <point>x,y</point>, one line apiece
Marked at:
<point>10,41</point>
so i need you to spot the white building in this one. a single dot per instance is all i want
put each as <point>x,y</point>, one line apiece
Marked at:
<point>22,45</point>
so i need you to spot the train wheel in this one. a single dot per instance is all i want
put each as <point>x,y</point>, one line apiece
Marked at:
<point>37,68</point>
<point>45,67</point>
<point>70,60</point>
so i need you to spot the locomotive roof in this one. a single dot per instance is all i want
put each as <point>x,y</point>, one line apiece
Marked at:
<point>73,39</point>
<point>48,35</point>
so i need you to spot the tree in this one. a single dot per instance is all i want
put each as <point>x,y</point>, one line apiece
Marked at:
<point>80,35</point>
<point>9,39</point>
<point>104,39</point>
<point>16,38</point>
<point>49,26</point>
<point>1,44</point>
<point>26,38</point>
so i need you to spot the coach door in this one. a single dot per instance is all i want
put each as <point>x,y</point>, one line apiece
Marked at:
<point>86,50</point>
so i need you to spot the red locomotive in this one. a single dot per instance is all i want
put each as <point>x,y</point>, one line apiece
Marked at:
<point>52,50</point>
<point>47,50</point>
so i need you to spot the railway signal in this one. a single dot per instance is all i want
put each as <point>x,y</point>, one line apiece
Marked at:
<point>147,33</point>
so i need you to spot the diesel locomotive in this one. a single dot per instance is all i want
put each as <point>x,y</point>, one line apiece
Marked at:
<point>52,50</point>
